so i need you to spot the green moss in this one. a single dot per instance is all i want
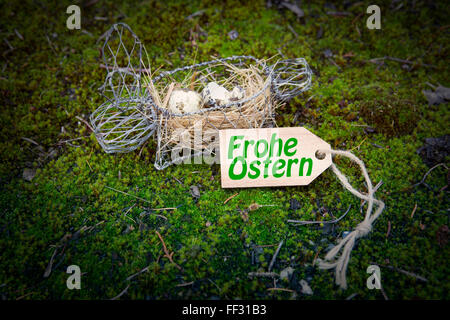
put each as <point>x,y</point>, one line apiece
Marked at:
<point>52,77</point>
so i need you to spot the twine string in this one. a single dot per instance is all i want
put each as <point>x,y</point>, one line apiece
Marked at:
<point>332,260</point>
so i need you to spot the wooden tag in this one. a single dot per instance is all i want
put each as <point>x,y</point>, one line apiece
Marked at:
<point>270,157</point>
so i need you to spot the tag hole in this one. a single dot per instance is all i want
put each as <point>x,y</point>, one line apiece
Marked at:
<point>320,155</point>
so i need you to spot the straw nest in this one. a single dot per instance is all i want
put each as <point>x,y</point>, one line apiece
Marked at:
<point>255,110</point>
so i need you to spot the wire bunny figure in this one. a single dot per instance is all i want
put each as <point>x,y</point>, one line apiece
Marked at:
<point>130,114</point>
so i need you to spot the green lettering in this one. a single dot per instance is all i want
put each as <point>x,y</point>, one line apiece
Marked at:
<point>278,165</point>
<point>290,143</point>
<point>266,147</point>
<point>289,166</point>
<point>231,173</point>
<point>273,140</point>
<point>266,167</point>
<point>302,164</point>
<point>233,145</point>
<point>246,144</point>
<point>255,169</point>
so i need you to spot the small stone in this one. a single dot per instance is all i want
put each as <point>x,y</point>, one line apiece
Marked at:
<point>195,192</point>
<point>327,228</point>
<point>286,273</point>
<point>52,153</point>
<point>306,289</point>
<point>369,130</point>
<point>327,53</point>
<point>294,204</point>
<point>233,34</point>
<point>128,229</point>
<point>28,174</point>
<point>259,250</point>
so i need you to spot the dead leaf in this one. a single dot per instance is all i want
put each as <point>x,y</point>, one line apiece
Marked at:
<point>432,97</point>
<point>28,174</point>
<point>443,92</point>
<point>305,288</point>
<point>435,150</point>
<point>348,55</point>
<point>442,235</point>
<point>440,95</point>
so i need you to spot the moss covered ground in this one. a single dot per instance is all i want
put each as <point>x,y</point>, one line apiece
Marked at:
<point>49,81</point>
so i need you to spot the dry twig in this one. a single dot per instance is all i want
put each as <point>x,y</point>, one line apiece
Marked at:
<point>85,122</point>
<point>121,294</point>
<point>303,222</point>
<point>280,289</point>
<point>426,174</point>
<point>414,211</point>
<point>137,273</point>
<point>231,197</point>
<point>403,271</point>
<point>139,198</point>
<point>388,229</point>
<point>275,256</point>
<point>166,252</point>
<point>263,274</point>
<point>374,60</point>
